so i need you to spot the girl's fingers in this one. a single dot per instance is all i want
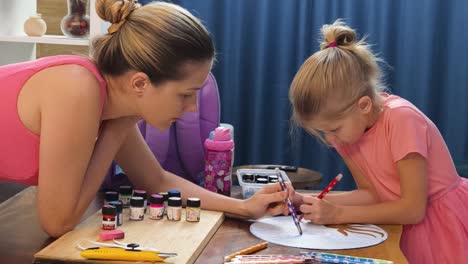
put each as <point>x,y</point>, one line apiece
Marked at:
<point>305,208</point>
<point>308,199</point>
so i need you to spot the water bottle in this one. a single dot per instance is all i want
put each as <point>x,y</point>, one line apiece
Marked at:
<point>218,161</point>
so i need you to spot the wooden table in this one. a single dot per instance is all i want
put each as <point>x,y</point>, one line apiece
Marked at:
<point>300,179</point>
<point>22,236</point>
<point>234,235</point>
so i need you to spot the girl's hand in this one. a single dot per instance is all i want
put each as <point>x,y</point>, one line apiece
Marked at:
<point>319,211</point>
<point>270,200</point>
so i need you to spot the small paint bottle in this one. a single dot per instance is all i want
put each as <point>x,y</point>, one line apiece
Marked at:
<point>119,210</point>
<point>137,209</point>
<point>174,193</point>
<point>262,181</point>
<point>156,207</point>
<point>125,194</point>
<point>142,194</point>
<point>248,178</point>
<point>109,215</point>
<point>165,196</point>
<point>174,208</point>
<point>110,196</point>
<point>260,177</point>
<point>192,213</point>
<point>272,178</point>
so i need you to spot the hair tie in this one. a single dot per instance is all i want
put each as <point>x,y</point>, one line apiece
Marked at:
<point>331,44</point>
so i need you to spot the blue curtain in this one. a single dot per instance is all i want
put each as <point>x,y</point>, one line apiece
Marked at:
<point>262,43</point>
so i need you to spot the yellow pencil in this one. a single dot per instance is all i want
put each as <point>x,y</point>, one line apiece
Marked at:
<point>246,251</point>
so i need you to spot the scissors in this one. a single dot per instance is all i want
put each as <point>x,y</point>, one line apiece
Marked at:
<point>122,251</point>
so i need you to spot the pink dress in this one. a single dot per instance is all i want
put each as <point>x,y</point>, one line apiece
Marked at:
<point>19,148</point>
<point>442,237</point>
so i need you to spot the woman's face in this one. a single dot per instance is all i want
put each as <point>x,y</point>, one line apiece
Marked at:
<point>163,104</point>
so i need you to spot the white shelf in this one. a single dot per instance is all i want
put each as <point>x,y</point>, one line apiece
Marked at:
<point>46,39</point>
<point>16,46</point>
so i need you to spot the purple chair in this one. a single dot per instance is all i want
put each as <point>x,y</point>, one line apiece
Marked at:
<point>180,149</point>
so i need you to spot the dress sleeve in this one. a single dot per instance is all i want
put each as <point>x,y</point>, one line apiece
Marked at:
<point>407,132</point>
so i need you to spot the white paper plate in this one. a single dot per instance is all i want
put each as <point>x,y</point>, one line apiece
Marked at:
<point>282,231</point>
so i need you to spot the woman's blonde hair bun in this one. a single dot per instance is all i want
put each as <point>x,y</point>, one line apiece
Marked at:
<point>115,11</point>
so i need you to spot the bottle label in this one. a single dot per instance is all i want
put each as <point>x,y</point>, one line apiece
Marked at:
<point>137,213</point>
<point>119,219</point>
<point>156,213</point>
<point>174,213</point>
<point>192,214</point>
<point>108,222</point>
<point>218,167</point>
<point>165,208</point>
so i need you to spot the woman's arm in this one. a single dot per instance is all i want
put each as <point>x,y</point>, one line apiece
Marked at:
<point>139,163</point>
<point>409,209</point>
<point>72,162</point>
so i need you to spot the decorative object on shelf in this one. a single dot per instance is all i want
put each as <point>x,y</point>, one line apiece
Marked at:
<point>76,22</point>
<point>35,26</point>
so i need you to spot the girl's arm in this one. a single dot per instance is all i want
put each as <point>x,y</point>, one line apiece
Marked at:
<point>409,209</point>
<point>72,161</point>
<point>364,195</point>
<point>139,163</point>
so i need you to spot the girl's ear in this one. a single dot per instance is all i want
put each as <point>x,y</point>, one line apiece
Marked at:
<point>139,83</point>
<point>365,104</point>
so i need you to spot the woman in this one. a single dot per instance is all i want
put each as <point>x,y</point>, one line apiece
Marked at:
<point>65,118</point>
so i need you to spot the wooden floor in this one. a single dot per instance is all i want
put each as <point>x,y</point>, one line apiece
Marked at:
<point>8,189</point>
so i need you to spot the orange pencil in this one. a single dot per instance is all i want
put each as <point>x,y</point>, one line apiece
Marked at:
<point>246,251</point>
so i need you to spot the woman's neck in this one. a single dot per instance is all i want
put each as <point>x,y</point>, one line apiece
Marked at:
<point>118,102</point>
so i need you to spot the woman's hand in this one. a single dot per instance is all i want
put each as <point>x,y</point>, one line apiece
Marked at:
<point>319,211</point>
<point>270,200</point>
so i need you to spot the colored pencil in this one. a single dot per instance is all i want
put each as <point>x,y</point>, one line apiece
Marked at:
<point>338,258</point>
<point>292,211</point>
<point>246,251</point>
<point>330,186</point>
<point>266,259</point>
<point>307,257</point>
<point>327,189</point>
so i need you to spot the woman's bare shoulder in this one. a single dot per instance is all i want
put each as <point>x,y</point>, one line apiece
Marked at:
<point>68,82</point>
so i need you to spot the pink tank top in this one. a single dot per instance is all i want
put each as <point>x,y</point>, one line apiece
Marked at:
<point>19,148</point>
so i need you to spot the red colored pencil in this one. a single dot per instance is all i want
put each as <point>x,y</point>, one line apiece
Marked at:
<point>327,189</point>
<point>330,186</point>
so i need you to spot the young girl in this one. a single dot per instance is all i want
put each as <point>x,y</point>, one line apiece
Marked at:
<point>65,118</point>
<point>399,160</point>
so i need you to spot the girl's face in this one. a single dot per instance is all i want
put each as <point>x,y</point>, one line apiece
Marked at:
<point>351,127</point>
<point>163,104</point>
